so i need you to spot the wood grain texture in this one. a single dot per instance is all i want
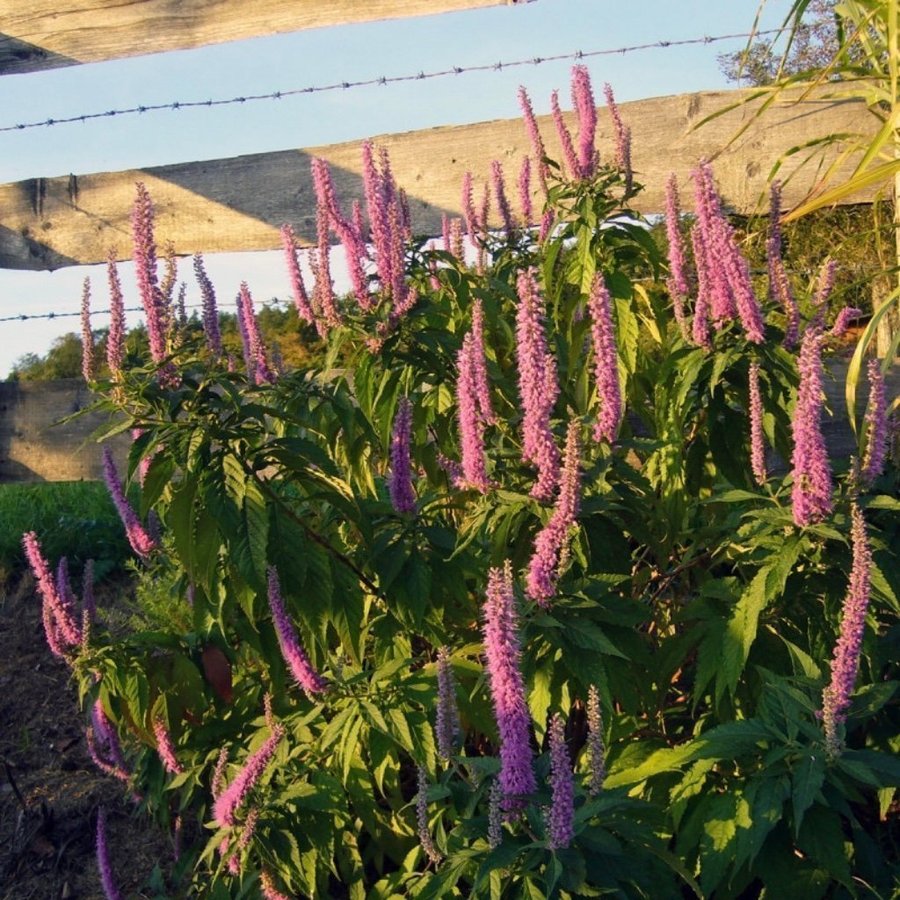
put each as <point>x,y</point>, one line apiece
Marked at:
<point>44,34</point>
<point>239,203</point>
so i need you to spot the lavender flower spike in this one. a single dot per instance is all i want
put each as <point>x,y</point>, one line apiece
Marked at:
<point>58,611</point>
<point>502,651</point>
<point>103,863</point>
<point>165,748</point>
<point>145,271</point>
<point>606,362</point>
<point>400,486</point>
<point>425,838</point>
<point>267,886</point>
<point>811,494</point>
<point>294,654</point>
<point>140,540</point>
<point>876,425</point>
<point>550,544</point>
<point>210,310</point>
<point>845,663</point>
<point>757,439</point>
<point>561,818</point>
<point>678,284</point>
<point>227,803</point>
<point>115,342</point>
<point>843,320</point>
<point>447,725</point>
<point>87,337</point>
<point>596,745</point>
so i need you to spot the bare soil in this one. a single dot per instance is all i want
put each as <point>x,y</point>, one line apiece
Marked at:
<point>50,790</point>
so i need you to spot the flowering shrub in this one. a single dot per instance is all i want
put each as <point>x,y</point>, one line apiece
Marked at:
<point>513,594</point>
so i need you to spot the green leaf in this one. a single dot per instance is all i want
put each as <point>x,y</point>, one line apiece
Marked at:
<point>806,781</point>
<point>256,515</point>
<point>740,632</point>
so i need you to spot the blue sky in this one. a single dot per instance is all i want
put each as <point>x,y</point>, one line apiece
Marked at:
<point>324,56</point>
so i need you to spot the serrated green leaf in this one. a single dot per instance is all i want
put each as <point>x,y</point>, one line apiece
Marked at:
<point>806,781</point>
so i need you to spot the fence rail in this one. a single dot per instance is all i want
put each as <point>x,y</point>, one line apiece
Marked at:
<point>40,35</point>
<point>239,203</point>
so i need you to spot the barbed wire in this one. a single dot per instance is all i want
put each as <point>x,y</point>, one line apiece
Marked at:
<point>384,80</point>
<point>25,317</point>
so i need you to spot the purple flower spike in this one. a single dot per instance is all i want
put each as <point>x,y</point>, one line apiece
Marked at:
<point>550,544</point>
<point>731,288</point>
<point>400,486</point>
<point>606,362</point>
<point>145,269</point>
<point>811,494</point>
<point>757,438</point>
<point>87,336</point>
<point>115,342</point>
<point>596,746</point>
<point>228,802</point>
<point>165,748</point>
<point>140,540</point>
<point>561,818</point>
<point>538,387</point>
<point>56,608</point>
<point>294,654</point>
<point>103,744</point>
<point>565,138</point>
<point>425,838</point>
<point>259,370</point>
<point>679,284</point>
<point>447,725</point>
<point>845,663</point>
<point>702,308</point>
<point>210,311</point>
<point>847,315</point>
<point>103,863</point>
<point>524,185</point>
<point>503,208</point>
<point>471,419</point>
<point>623,138</point>
<point>534,135</point>
<point>876,425</point>
<point>502,651</point>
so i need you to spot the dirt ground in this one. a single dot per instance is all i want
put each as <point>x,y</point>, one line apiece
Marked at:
<point>50,790</point>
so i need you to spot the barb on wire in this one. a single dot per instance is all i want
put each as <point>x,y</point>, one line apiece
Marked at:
<point>25,317</point>
<point>379,80</point>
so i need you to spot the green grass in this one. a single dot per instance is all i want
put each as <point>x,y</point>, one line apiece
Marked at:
<point>75,519</point>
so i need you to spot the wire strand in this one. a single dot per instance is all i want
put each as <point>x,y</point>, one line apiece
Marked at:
<point>381,80</point>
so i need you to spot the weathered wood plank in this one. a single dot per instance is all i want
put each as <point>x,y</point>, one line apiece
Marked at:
<point>239,203</point>
<point>35,447</point>
<point>44,34</point>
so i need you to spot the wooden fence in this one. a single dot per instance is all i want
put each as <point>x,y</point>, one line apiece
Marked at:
<point>240,203</point>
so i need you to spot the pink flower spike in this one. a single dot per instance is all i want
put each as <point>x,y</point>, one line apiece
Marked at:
<point>845,662</point>
<point>210,311</point>
<point>87,336</point>
<point>140,540</point>
<point>757,438</point>
<point>228,802</point>
<point>115,342</point>
<point>165,748</point>
<point>606,362</point>
<point>64,623</point>
<point>292,651</point>
<point>876,425</point>
<point>623,138</point>
<point>565,138</point>
<point>534,135</point>
<point>583,101</point>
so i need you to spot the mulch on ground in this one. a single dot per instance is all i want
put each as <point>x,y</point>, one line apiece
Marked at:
<point>50,790</point>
